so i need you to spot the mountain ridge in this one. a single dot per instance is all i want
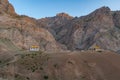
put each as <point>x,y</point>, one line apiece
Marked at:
<point>101,27</point>
<point>95,24</point>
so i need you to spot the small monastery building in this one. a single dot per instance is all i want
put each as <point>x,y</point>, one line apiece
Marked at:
<point>34,48</point>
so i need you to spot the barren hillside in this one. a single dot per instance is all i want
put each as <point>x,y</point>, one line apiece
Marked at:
<point>88,65</point>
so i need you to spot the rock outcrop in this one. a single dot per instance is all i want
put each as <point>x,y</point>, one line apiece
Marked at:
<point>6,8</point>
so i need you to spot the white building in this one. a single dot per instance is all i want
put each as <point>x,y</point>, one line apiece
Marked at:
<point>34,48</point>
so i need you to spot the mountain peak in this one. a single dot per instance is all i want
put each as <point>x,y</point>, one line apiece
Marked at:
<point>103,9</point>
<point>64,15</point>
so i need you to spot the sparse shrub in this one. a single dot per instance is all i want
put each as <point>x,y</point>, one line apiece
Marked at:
<point>70,62</point>
<point>55,65</point>
<point>16,75</point>
<point>7,64</point>
<point>85,61</point>
<point>0,61</point>
<point>22,57</point>
<point>83,77</point>
<point>28,69</point>
<point>41,68</point>
<point>22,62</point>
<point>47,58</point>
<point>33,70</point>
<point>99,51</point>
<point>45,77</point>
<point>32,56</point>
<point>27,78</point>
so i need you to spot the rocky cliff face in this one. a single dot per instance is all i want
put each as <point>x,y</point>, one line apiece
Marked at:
<point>100,27</point>
<point>116,18</point>
<point>54,24</point>
<point>24,31</point>
<point>97,28</point>
<point>91,29</point>
<point>6,8</point>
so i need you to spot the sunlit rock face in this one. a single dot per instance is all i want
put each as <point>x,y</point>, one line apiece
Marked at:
<point>6,7</point>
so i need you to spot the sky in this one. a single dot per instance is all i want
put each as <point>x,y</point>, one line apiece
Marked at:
<point>48,8</point>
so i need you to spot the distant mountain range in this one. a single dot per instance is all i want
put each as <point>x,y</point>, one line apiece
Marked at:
<point>61,32</point>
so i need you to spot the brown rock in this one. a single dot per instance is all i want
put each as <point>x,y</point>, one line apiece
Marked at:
<point>6,8</point>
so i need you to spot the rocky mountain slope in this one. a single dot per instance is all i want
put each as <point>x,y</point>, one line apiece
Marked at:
<point>23,31</point>
<point>61,32</point>
<point>100,27</point>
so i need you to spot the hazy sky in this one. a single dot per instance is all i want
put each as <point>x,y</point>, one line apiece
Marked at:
<point>48,8</point>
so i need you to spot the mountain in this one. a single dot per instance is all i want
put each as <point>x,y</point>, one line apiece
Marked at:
<point>24,31</point>
<point>54,24</point>
<point>61,32</point>
<point>100,27</point>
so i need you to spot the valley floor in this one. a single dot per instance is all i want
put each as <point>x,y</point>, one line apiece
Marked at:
<point>85,65</point>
